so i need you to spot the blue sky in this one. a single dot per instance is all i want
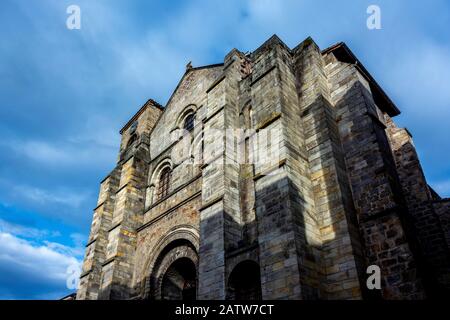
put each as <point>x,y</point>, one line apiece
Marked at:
<point>64,95</point>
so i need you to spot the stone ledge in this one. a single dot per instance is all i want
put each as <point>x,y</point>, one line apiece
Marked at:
<point>105,178</point>
<point>262,75</point>
<point>210,203</point>
<point>123,161</point>
<point>213,115</point>
<point>101,204</point>
<point>172,193</point>
<point>161,154</point>
<point>321,102</point>
<point>280,164</point>
<point>264,124</point>
<point>84,274</point>
<point>225,67</point>
<point>91,242</point>
<point>307,111</point>
<point>373,216</point>
<point>108,261</point>
<point>122,187</point>
<point>114,227</point>
<point>408,132</point>
<point>216,83</point>
<point>142,143</point>
<point>238,251</point>
<point>162,215</point>
<point>211,161</point>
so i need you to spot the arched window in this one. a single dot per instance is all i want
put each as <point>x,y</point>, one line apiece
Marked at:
<point>245,282</point>
<point>164,183</point>
<point>189,122</point>
<point>179,281</point>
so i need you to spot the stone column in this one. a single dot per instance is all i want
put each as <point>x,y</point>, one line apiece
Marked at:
<point>220,216</point>
<point>129,205</point>
<point>98,238</point>
<point>283,198</point>
<point>374,182</point>
<point>341,257</point>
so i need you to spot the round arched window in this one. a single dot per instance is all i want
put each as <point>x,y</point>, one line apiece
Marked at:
<point>189,122</point>
<point>164,183</point>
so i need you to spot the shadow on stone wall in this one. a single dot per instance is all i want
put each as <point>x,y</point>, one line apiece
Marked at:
<point>294,267</point>
<point>425,224</point>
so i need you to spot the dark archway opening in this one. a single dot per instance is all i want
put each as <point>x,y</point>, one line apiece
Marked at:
<point>245,282</point>
<point>179,281</point>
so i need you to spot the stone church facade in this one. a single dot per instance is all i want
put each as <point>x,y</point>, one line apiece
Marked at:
<point>277,174</point>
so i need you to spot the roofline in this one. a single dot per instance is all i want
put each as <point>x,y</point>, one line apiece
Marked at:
<point>391,109</point>
<point>188,70</point>
<point>150,102</point>
<point>214,65</point>
<point>73,294</point>
<point>272,40</point>
<point>334,46</point>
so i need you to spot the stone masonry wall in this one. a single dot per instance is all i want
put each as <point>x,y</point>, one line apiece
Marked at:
<point>341,254</point>
<point>442,208</point>
<point>374,184</point>
<point>277,230</point>
<point>426,222</point>
<point>294,165</point>
<point>98,239</point>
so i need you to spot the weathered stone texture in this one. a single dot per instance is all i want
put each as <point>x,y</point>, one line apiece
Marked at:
<point>293,173</point>
<point>428,220</point>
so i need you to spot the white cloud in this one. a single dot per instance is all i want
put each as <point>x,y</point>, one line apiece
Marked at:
<point>27,232</point>
<point>77,151</point>
<point>33,270</point>
<point>78,239</point>
<point>44,197</point>
<point>43,152</point>
<point>76,251</point>
<point>46,263</point>
<point>99,131</point>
